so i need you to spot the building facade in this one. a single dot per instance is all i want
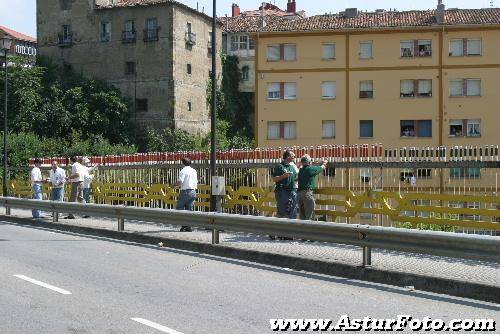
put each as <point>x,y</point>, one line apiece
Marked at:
<point>404,79</point>
<point>157,52</point>
<point>23,45</point>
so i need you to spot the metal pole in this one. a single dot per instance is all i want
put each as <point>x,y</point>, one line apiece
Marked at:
<point>5,131</point>
<point>213,144</point>
<point>367,256</point>
<point>121,224</point>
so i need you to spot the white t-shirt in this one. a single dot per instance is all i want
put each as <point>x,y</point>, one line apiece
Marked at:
<point>88,177</point>
<point>58,177</point>
<point>296,183</point>
<point>36,175</point>
<point>80,169</point>
<point>188,177</point>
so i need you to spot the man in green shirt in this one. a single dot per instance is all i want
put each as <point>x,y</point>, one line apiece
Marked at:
<point>285,175</point>
<point>307,183</point>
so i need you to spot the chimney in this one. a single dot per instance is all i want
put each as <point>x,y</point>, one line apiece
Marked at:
<point>291,6</point>
<point>351,13</point>
<point>440,12</point>
<point>236,10</point>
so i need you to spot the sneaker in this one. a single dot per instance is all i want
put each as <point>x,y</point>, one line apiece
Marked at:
<point>69,217</point>
<point>186,229</point>
<point>85,216</point>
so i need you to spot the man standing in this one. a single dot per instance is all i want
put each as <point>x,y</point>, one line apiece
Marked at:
<point>307,184</point>
<point>284,175</point>
<point>36,185</point>
<point>188,183</point>
<point>76,179</point>
<point>57,180</point>
<point>88,178</point>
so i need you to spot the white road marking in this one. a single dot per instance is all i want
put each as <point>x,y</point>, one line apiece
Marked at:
<point>156,326</point>
<point>45,285</point>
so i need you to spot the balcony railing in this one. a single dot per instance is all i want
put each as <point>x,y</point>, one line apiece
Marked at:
<point>65,39</point>
<point>151,35</point>
<point>190,38</point>
<point>129,36</point>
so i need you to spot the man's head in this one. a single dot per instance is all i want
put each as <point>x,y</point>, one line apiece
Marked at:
<point>288,156</point>
<point>54,165</point>
<point>38,162</point>
<point>86,161</point>
<point>73,159</point>
<point>186,161</point>
<point>305,160</point>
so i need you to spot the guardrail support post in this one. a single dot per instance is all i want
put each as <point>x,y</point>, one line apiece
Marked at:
<point>7,210</point>
<point>367,256</point>
<point>55,217</point>
<point>215,237</point>
<point>121,224</point>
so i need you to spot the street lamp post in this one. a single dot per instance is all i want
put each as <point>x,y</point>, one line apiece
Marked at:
<point>5,45</point>
<point>213,146</point>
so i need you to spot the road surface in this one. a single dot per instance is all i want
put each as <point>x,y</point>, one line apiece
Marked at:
<point>55,282</point>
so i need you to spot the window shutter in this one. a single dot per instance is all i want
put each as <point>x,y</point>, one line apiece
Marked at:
<point>282,51</point>
<point>464,87</point>
<point>282,129</point>
<point>465,47</point>
<point>464,128</point>
<point>415,48</point>
<point>415,88</point>
<point>282,90</point>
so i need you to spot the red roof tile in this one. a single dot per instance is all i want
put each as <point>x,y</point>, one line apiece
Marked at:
<point>17,35</point>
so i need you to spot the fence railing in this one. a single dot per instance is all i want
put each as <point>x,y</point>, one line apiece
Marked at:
<point>367,237</point>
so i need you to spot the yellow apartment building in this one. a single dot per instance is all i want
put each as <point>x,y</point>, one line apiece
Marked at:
<point>404,79</point>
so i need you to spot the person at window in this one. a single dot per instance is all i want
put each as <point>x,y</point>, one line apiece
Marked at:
<point>307,184</point>
<point>57,180</point>
<point>188,183</point>
<point>36,184</point>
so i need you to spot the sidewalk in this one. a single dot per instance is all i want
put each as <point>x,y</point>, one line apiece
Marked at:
<point>427,265</point>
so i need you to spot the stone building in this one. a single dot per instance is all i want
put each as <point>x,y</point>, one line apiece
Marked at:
<point>157,52</point>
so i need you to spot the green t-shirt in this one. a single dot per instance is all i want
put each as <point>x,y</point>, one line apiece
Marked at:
<point>287,183</point>
<point>307,177</point>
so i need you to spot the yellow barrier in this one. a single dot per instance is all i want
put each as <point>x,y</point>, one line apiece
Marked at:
<point>435,209</point>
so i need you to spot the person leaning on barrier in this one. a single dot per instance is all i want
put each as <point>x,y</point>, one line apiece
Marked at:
<point>284,175</point>
<point>76,179</point>
<point>36,184</point>
<point>307,184</point>
<point>188,183</point>
<point>57,181</point>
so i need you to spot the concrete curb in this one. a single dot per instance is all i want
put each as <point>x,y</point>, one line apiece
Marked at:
<point>473,290</point>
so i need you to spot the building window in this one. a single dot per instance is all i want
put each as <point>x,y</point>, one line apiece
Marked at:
<point>141,105</point>
<point>190,106</point>
<point>105,31</point>
<point>416,48</point>
<point>465,127</point>
<point>130,67</point>
<point>419,128</point>
<point>245,73</point>
<point>465,47</point>
<point>328,129</point>
<point>407,88</point>
<point>151,31</point>
<point>406,49</point>
<point>420,88</point>
<point>366,129</point>
<point>281,130</point>
<point>366,89</point>
<point>407,128</point>
<point>188,69</point>
<point>285,52</point>
<point>425,88</point>
<point>329,90</point>
<point>274,91</point>
<point>66,37</point>
<point>328,51</point>
<point>190,36</point>
<point>465,87</point>
<point>240,42</point>
<point>243,42</point>
<point>366,50</point>
<point>129,32</point>
<point>234,43</point>
<point>251,43</point>
<point>424,128</point>
<point>465,173</point>
<point>282,90</point>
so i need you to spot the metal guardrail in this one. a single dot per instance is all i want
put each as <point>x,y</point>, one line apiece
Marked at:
<point>421,242</point>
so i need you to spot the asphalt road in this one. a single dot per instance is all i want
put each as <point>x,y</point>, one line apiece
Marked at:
<point>53,282</point>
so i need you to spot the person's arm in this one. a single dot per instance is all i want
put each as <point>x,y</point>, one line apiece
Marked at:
<point>182,177</point>
<point>280,174</point>
<point>282,177</point>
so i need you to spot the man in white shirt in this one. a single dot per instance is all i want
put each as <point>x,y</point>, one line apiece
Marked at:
<point>57,180</point>
<point>88,178</point>
<point>76,178</point>
<point>36,184</point>
<point>188,183</point>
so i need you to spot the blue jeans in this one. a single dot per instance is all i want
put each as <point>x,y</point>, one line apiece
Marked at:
<point>37,194</point>
<point>286,202</point>
<point>86,195</point>
<point>186,200</point>
<point>58,194</point>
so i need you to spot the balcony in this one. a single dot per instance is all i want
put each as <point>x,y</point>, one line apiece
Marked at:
<point>151,35</point>
<point>190,38</point>
<point>129,36</point>
<point>65,39</point>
